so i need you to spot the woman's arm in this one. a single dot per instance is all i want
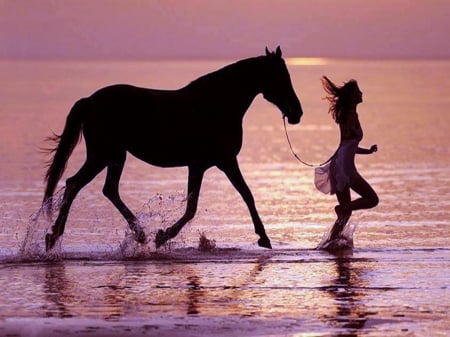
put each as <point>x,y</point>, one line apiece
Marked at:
<point>373,148</point>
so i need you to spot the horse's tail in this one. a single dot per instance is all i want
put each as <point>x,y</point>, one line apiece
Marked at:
<point>65,144</point>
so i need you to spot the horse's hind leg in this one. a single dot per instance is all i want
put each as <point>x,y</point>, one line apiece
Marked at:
<point>111,191</point>
<point>73,185</point>
<point>232,171</point>
<point>194,184</point>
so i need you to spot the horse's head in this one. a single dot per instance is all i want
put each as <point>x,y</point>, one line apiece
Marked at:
<point>277,87</point>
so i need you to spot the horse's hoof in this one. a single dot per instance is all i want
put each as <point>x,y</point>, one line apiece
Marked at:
<point>50,241</point>
<point>161,238</point>
<point>139,236</point>
<point>264,242</point>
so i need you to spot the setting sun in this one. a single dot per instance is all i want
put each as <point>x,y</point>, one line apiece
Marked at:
<point>307,61</point>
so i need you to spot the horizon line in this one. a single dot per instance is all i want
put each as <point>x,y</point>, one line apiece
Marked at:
<point>291,60</point>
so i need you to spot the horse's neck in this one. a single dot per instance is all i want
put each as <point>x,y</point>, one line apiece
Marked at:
<point>231,89</point>
<point>242,75</point>
<point>246,75</point>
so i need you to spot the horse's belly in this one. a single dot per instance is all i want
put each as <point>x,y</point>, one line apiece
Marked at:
<point>184,150</point>
<point>161,156</point>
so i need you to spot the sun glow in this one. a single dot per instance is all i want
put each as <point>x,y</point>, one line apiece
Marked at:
<point>307,61</point>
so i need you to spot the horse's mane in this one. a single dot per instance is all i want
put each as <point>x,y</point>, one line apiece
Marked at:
<point>228,72</point>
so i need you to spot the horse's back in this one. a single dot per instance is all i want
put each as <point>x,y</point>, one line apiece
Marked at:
<point>116,98</point>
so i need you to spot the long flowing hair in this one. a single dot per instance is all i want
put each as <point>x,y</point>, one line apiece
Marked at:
<point>339,98</point>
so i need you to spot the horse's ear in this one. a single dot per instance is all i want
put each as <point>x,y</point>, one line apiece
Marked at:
<point>278,52</point>
<point>267,52</point>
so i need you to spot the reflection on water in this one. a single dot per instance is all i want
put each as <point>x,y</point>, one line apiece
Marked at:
<point>395,282</point>
<point>299,290</point>
<point>347,290</point>
<point>57,291</point>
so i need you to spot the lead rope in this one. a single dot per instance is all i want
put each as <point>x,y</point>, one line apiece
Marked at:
<point>298,157</point>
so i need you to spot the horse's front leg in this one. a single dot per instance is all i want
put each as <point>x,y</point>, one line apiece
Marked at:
<point>194,184</point>
<point>232,171</point>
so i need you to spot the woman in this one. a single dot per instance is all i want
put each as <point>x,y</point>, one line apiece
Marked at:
<point>343,173</point>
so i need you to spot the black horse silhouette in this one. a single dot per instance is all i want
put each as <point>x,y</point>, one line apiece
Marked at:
<point>199,126</point>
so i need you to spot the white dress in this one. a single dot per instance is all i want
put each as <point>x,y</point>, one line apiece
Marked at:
<point>342,167</point>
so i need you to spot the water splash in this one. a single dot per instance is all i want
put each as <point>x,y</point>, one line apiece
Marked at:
<point>158,212</point>
<point>343,242</point>
<point>205,244</point>
<point>33,245</point>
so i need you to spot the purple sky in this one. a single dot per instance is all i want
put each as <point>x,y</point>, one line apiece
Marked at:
<point>137,29</point>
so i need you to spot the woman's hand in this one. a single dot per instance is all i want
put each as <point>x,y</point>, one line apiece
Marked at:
<point>373,148</point>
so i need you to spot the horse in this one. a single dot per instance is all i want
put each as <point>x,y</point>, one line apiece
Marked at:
<point>198,126</point>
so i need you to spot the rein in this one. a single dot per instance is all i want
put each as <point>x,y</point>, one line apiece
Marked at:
<point>298,157</point>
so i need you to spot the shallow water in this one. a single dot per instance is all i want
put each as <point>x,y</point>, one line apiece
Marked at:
<point>279,292</point>
<point>394,282</point>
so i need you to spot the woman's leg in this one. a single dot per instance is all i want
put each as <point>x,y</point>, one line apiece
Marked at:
<point>369,198</point>
<point>344,200</point>
<point>343,212</point>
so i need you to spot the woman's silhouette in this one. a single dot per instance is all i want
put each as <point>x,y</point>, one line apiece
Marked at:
<point>343,173</point>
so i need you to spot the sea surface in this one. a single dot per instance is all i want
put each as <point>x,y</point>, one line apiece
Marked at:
<point>213,279</point>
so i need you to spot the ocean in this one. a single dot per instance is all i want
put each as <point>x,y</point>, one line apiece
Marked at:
<point>395,281</point>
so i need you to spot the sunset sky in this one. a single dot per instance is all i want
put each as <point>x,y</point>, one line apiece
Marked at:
<point>137,29</point>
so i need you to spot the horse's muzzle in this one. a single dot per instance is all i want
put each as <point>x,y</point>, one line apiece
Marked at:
<point>293,112</point>
<point>293,119</point>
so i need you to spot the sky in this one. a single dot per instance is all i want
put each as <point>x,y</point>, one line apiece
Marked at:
<point>184,29</point>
